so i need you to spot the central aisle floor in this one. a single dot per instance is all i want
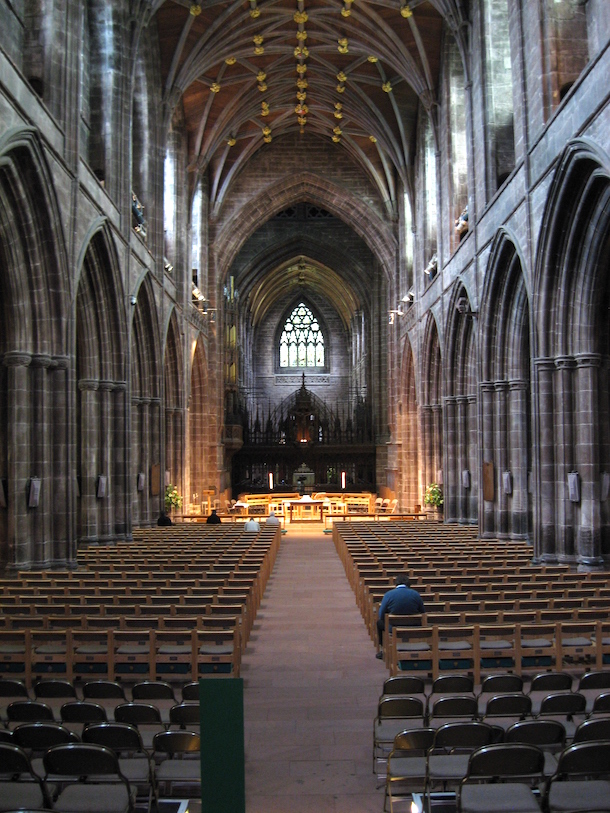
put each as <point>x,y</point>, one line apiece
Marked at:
<point>311,689</point>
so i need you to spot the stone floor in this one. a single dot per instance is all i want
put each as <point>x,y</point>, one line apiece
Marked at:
<point>311,688</point>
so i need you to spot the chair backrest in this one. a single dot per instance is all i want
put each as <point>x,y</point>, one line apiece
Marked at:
<point>185,714</point>
<point>54,688</point>
<point>505,761</point>
<point>117,736</point>
<point>176,742</point>
<point>137,714</point>
<point>83,711</point>
<point>21,711</point>
<point>418,740</point>
<point>470,734</point>
<point>452,684</point>
<point>40,736</point>
<point>506,705</point>
<point>551,682</point>
<point>594,680</point>
<point>455,706</point>
<point>494,684</point>
<point>563,703</point>
<point>153,690</point>
<point>81,759</point>
<point>601,703</point>
<point>13,688</point>
<point>585,759</point>
<point>103,689</point>
<point>404,684</point>
<point>593,729</point>
<point>400,706</point>
<point>190,691</point>
<point>537,732</point>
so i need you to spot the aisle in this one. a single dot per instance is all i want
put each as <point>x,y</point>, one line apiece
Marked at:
<point>311,689</point>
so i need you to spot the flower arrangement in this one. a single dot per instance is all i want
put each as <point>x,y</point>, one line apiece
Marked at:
<point>434,495</point>
<point>172,498</point>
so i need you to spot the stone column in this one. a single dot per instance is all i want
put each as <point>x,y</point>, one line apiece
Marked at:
<point>501,457</point>
<point>487,518</point>
<point>544,531</point>
<point>472,440</point>
<point>437,419</point>
<point>588,532</point>
<point>42,460</point>
<point>451,488</point>
<point>564,457</point>
<point>18,460</point>
<point>63,487</point>
<point>107,448</point>
<point>604,426</point>
<point>120,496</point>
<point>427,446</point>
<point>462,458</point>
<point>89,433</point>
<point>517,458</point>
<point>155,503</point>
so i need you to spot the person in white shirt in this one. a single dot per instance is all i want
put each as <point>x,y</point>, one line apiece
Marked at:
<point>252,525</point>
<point>272,519</point>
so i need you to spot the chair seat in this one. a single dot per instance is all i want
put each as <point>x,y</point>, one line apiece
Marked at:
<point>578,641</point>
<point>407,767</point>
<point>21,795</point>
<point>215,650</point>
<point>133,649</point>
<point>107,798</point>
<point>550,764</point>
<point>386,730</point>
<point>51,649</point>
<point>581,795</point>
<point>174,649</point>
<point>457,646</point>
<point>447,766</point>
<point>509,797</point>
<point>535,643</point>
<point>12,649</point>
<point>412,648</point>
<point>496,645</point>
<point>92,649</point>
<point>179,770</point>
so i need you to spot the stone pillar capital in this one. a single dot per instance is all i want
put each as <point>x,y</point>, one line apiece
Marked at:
<point>588,360</point>
<point>88,384</point>
<point>42,360</point>
<point>565,362</point>
<point>487,386</point>
<point>16,358</point>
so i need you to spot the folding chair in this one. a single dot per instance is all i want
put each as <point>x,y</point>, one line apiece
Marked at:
<point>171,749</point>
<point>581,782</point>
<point>449,754</point>
<point>407,763</point>
<point>91,779</point>
<point>394,714</point>
<point>548,735</point>
<point>497,778</point>
<point>20,786</point>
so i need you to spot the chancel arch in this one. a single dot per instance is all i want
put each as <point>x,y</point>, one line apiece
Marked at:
<point>460,411</point>
<point>573,358</point>
<point>101,398</point>
<point>505,393</point>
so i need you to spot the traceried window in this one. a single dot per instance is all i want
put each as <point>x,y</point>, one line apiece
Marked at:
<point>302,342</point>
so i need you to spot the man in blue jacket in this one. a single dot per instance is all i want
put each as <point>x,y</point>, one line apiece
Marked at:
<point>402,600</point>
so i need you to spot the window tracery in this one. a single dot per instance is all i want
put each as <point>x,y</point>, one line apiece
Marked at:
<point>302,341</point>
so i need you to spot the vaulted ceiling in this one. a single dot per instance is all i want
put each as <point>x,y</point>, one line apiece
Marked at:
<point>353,72</point>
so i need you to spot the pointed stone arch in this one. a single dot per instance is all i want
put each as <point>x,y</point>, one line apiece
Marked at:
<point>101,350</point>
<point>203,427</point>
<point>146,402</point>
<point>431,408</point>
<point>34,375</point>
<point>173,400</point>
<point>460,411</point>
<point>410,489</point>
<point>505,391</point>
<point>572,378</point>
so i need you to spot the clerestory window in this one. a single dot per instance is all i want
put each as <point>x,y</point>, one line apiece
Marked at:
<point>302,341</point>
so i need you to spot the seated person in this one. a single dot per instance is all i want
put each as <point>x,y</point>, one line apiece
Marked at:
<point>272,519</point>
<point>213,519</point>
<point>401,600</point>
<point>252,525</point>
<point>164,519</point>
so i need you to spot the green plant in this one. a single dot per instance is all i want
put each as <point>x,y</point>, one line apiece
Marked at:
<point>434,495</point>
<point>172,498</point>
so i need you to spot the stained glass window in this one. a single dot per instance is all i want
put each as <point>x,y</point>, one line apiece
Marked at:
<point>302,342</point>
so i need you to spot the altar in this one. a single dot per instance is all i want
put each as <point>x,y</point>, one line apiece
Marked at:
<point>306,508</point>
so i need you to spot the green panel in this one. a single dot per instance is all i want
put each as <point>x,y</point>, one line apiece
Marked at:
<point>223,783</point>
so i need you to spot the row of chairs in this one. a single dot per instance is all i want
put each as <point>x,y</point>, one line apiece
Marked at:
<point>485,648</point>
<point>106,772</point>
<point>186,653</point>
<point>525,769</point>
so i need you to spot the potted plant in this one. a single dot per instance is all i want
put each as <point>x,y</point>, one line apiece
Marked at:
<point>434,497</point>
<point>172,498</point>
